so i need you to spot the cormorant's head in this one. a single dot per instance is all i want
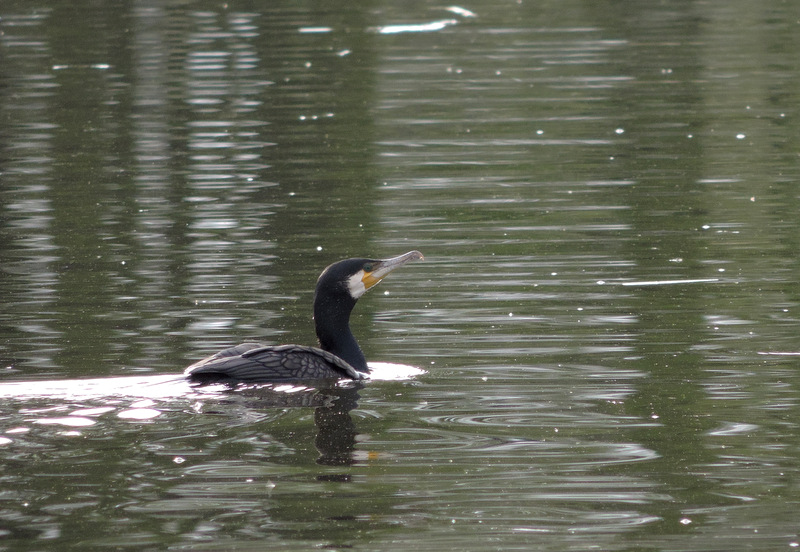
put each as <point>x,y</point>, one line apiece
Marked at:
<point>359,275</point>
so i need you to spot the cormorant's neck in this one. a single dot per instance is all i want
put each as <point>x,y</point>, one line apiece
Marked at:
<point>332,322</point>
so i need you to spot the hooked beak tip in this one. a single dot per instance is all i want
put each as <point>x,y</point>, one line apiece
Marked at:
<point>387,266</point>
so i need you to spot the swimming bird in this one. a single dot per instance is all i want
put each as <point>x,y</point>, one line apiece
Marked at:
<point>338,356</point>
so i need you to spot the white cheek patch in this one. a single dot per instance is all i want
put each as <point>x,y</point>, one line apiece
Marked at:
<point>355,285</point>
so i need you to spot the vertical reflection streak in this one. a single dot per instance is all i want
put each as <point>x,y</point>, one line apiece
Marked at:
<point>224,165</point>
<point>29,254</point>
<point>156,210</point>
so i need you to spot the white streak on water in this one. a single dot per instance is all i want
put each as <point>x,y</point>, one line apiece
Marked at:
<point>670,282</point>
<point>417,28</point>
<point>387,371</point>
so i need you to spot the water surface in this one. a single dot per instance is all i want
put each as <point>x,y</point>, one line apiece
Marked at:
<point>605,323</point>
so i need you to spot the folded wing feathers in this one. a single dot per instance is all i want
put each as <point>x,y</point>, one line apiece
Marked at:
<point>255,362</point>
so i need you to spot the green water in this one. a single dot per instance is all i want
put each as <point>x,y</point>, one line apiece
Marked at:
<point>606,196</point>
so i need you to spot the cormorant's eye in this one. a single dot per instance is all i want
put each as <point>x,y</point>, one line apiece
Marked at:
<point>368,267</point>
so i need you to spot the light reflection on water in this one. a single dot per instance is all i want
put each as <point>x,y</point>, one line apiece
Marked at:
<point>477,450</point>
<point>605,321</point>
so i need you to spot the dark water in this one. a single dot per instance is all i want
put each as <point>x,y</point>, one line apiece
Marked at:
<point>607,318</point>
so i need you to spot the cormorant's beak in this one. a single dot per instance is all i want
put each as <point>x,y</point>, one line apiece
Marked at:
<point>381,269</point>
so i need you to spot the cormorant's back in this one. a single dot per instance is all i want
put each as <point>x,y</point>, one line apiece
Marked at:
<point>253,362</point>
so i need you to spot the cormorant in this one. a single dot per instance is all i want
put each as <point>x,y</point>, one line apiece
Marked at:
<point>338,356</point>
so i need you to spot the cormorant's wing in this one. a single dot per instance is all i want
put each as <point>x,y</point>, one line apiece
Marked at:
<point>259,363</point>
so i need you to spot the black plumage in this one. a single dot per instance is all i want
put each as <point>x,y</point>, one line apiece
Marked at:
<point>338,356</point>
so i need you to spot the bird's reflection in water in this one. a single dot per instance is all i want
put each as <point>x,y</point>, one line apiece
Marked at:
<point>336,432</point>
<point>333,402</point>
